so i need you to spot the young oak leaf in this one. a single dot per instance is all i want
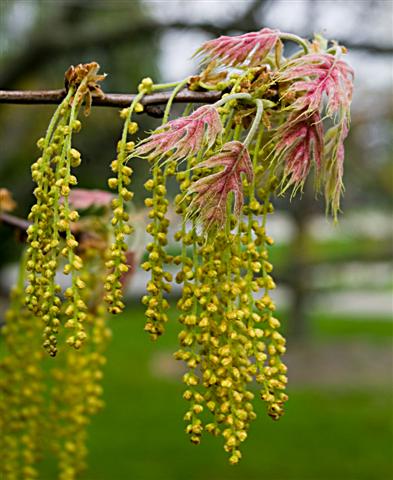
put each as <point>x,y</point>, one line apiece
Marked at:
<point>81,198</point>
<point>182,137</point>
<point>333,166</point>
<point>211,192</point>
<point>312,78</point>
<point>300,143</point>
<point>315,75</point>
<point>233,51</point>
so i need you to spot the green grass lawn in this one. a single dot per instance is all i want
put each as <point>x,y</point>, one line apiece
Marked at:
<point>325,434</point>
<point>350,327</point>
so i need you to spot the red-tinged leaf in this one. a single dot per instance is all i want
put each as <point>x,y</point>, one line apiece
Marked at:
<point>299,144</point>
<point>252,47</point>
<point>211,192</point>
<point>315,75</point>
<point>333,166</point>
<point>184,136</point>
<point>81,199</point>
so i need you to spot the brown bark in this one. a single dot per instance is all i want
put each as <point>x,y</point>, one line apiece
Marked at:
<point>119,100</point>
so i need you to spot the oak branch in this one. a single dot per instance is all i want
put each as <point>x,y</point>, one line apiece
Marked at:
<point>49,97</point>
<point>152,102</point>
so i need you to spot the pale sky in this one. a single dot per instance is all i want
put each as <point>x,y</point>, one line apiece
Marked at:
<point>333,18</point>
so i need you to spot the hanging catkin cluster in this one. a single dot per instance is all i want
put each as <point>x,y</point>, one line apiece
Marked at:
<point>229,159</point>
<point>76,389</point>
<point>277,119</point>
<point>45,404</point>
<point>22,390</point>
<point>52,216</point>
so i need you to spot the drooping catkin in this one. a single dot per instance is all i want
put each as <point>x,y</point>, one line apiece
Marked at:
<point>50,236</point>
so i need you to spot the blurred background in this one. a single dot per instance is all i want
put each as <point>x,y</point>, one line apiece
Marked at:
<point>335,282</point>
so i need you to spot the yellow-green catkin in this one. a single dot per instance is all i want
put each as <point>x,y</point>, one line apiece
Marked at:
<point>208,338</point>
<point>271,370</point>
<point>117,262</point>
<point>188,307</point>
<point>22,391</point>
<point>42,292</point>
<point>77,391</point>
<point>268,345</point>
<point>74,307</point>
<point>229,336</point>
<point>159,284</point>
<point>50,235</point>
<point>37,414</point>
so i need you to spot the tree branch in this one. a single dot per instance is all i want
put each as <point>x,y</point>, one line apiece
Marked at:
<point>12,221</point>
<point>119,100</point>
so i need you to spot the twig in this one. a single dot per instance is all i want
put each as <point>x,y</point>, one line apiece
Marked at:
<point>15,222</point>
<point>21,225</point>
<point>120,100</point>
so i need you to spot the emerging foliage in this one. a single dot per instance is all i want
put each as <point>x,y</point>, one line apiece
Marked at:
<point>184,136</point>
<point>211,192</point>
<point>316,75</point>
<point>251,47</point>
<point>300,144</point>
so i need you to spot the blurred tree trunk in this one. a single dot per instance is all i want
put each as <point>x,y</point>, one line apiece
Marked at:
<point>299,272</point>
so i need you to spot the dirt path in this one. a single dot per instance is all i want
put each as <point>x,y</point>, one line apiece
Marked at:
<point>338,364</point>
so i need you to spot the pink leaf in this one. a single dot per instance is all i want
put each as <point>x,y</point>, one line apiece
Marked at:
<point>184,136</point>
<point>300,141</point>
<point>81,199</point>
<point>232,51</point>
<point>333,165</point>
<point>317,74</point>
<point>210,201</point>
<point>312,78</point>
